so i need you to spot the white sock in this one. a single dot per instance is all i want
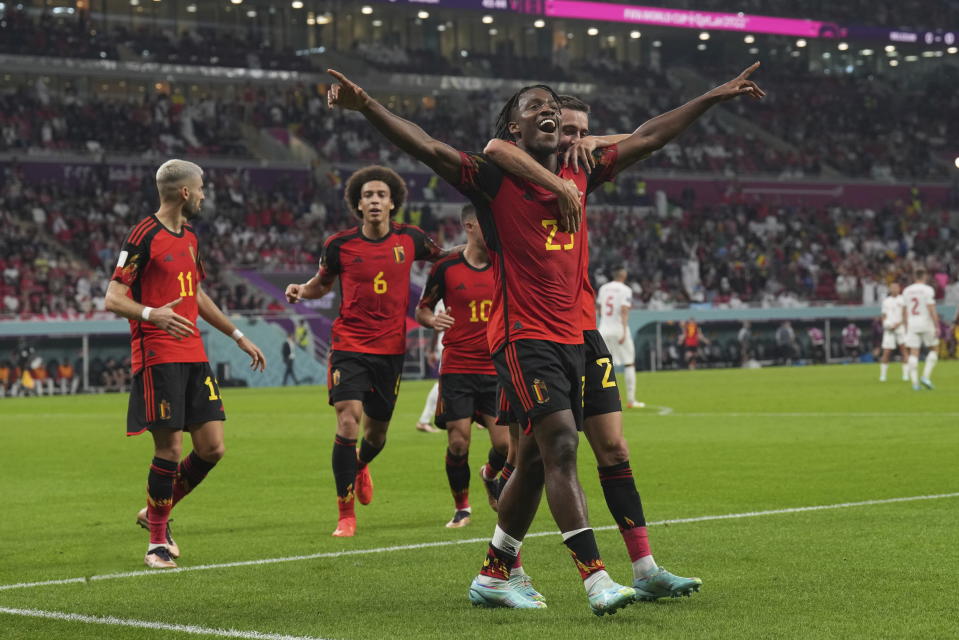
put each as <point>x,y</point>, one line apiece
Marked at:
<point>629,373</point>
<point>883,368</point>
<point>914,369</point>
<point>575,532</point>
<point>597,582</point>
<point>505,542</point>
<point>931,359</point>
<point>644,567</point>
<point>429,409</point>
<point>905,371</point>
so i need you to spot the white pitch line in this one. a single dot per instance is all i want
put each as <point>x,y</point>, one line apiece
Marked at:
<point>449,543</point>
<point>805,414</point>
<point>146,624</point>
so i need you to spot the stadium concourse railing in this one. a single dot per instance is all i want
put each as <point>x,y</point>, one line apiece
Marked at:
<point>91,342</point>
<point>657,334</point>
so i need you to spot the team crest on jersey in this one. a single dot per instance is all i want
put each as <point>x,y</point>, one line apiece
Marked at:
<point>336,377</point>
<point>164,410</point>
<point>540,391</point>
<point>400,254</point>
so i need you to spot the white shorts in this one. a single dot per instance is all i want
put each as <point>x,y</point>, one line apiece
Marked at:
<point>623,354</point>
<point>916,339</point>
<point>891,339</point>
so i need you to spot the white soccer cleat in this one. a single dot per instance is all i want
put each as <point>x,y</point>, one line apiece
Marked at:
<point>635,404</point>
<point>159,558</point>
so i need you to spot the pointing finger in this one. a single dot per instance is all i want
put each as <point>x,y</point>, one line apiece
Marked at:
<point>749,70</point>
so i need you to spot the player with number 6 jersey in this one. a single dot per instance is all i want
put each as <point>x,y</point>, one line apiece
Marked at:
<point>372,262</point>
<point>157,286</point>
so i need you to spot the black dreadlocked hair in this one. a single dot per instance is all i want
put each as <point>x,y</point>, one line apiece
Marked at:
<point>506,113</point>
<point>574,103</point>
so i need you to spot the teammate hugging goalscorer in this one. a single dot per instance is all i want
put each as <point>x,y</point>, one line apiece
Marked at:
<point>174,389</point>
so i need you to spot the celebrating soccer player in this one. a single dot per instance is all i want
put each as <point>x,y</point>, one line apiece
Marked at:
<point>534,330</point>
<point>464,283</point>
<point>602,408</point>
<point>373,262</point>
<point>156,285</point>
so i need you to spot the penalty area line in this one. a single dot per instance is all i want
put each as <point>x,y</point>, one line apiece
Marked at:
<point>449,543</point>
<point>147,624</point>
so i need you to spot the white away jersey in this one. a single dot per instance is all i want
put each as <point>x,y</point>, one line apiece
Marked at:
<point>917,298</point>
<point>892,311</point>
<point>612,297</point>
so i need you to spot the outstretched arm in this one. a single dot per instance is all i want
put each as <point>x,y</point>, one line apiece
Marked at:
<point>438,156</point>
<point>512,159</point>
<point>655,133</point>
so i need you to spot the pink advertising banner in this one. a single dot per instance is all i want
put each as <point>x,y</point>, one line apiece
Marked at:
<point>691,19</point>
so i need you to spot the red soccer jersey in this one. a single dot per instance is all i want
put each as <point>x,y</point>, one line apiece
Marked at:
<point>468,294</point>
<point>539,270</point>
<point>160,266</point>
<point>374,285</point>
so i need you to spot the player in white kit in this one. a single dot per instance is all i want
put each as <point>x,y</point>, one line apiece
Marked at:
<point>922,328</point>
<point>615,299</point>
<point>893,332</point>
<point>425,423</point>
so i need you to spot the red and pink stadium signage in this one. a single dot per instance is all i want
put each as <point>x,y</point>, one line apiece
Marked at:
<point>691,19</point>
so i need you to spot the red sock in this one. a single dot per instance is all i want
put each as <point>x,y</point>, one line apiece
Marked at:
<point>518,563</point>
<point>346,503</point>
<point>497,563</point>
<point>637,542</point>
<point>160,498</point>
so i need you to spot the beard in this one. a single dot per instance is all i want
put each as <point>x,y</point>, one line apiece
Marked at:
<point>192,209</point>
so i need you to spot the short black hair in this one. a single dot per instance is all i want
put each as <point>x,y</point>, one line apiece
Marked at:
<point>501,130</point>
<point>573,103</point>
<point>354,187</point>
<point>468,211</point>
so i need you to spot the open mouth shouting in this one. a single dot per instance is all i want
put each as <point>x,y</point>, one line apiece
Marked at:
<point>548,125</point>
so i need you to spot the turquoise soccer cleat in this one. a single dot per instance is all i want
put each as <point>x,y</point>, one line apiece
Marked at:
<point>663,584</point>
<point>522,584</point>
<point>611,599</point>
<point>500,595</point>
<point>927,383</point>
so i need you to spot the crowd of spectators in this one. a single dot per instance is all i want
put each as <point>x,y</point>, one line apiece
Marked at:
<point>70,35</point>
<point>59,243</point>
<point>737,253</point>
<point>33,118</point>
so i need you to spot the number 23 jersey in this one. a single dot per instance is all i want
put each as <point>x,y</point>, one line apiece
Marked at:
<point>539,270</point>
<point>374,285</point>
<point>160,266</point>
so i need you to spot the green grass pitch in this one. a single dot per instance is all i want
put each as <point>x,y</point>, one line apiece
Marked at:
<point>715,443</point>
